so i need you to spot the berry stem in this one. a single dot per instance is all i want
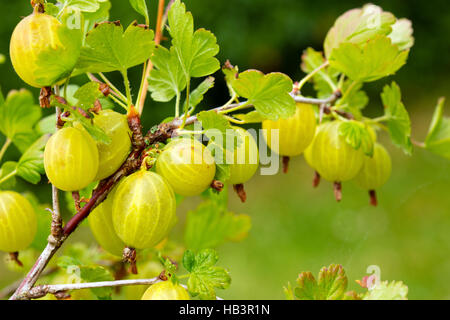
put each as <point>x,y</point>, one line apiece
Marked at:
<point>239,189</point>
<point>338,191</point>
<point>14,256</point>
<point>286,164</point>
<point>373,198</point>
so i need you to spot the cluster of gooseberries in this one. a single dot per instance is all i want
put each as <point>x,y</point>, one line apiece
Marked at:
<point>141,209</point>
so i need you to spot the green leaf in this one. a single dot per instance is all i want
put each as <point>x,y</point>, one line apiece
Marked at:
<point>197,95</point>
<point>195,50</point>
<point>402,34</point>
<point>87,95</point>
<point>46,125</point>
<point>31,165</point>
<point>356,100</point>
<point>140,6</point>
<point>395,290</point>
<point>331,284</point>
<point>210,225</point>
<point>212,120</point>
<point>250,117</point>
<point>101,15</point>
<point>67,262</point>
<point>357,135</point>
<point>82,5</point>
<point>325,78</point>
<point>223,172</point>
<point>18,115</point>
<point>438,139</point>
<point>109,48</point>
<point>167,78</point>
<point>97,274</point>
<point>204,276</point>
<point>358,26</point>
<point>376,59</point>
<point>269,94</point>
<point>44,221</point>
<point>399,123</point>
<point>96,132</point>
<point>8,168</point>
<point>231,73</point>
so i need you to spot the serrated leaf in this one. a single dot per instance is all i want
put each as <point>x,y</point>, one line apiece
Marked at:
<point>198,93</point>
<point>323,80</point>
<point>358,26</point>
<point>356,99</point>
<point>140,6</point>
<point>376,59</point>
<point>210,225</point>
<point>250,117</point>
<point>399,123</point>
<point>231,73</point>
<point>213,120</point>
<point>395,290</point>
<point>102,14</point>
<point>96,132</point>
<point>18,115</point>
<point>167,78</point>
<point>269,94</point>
<point>82,5</point>
<point>357,135</point>
<point>402,34</point>
<point>195,50</point>
<point>31,165</point>
<point>8,168</point>
<point>87,95</point>
<point>67,262</point>
<point>438,139</point>
<point>108,48</point>
<point>97,274</point>
<point>204,276</point>
<point>331,284</point>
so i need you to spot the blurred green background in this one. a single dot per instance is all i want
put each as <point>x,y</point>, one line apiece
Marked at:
<point>295,227</point>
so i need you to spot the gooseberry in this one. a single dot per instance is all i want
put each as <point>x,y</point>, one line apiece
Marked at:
<point>114,154</point>
<point>18,222</point>
<point>187,165</point>
<point>101,224</point>
<point>295,133</point>
<point>43,50</point>
<point>143,209</point>
<point>166,290</point>
<point>375,171</point>
<point>71,159</point>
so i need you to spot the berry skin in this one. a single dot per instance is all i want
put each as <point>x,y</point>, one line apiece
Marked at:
<point>143,209</point>
<point>18,222</point>
<point>295,133</point>
<point>101,224</point>
<point>166,290</point>
<point>187,165</point>
<point>332,156</point>
<point>244,160</point>
<point>71,159</point>
<point>114,154</point>
<point>38,39</point>
<point>376,170</point>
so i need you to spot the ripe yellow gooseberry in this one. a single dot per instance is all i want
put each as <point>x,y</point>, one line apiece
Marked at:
<point>71,159</point>
<point>18,222</point>
<point>101,224</point>
<point>187,165</point>
<point>295,133</point>
<point>166,290</point>
<point>143,209</point>
<point>114,154</point>
<point>38,40</point>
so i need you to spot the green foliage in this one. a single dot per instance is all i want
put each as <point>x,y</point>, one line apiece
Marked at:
<point>211,224</point>
<point>357,135</point>
<point>399,124</point>
<point>197,95</point>
<point>269,94</point>
<point>31,164</point>
<point>87,95</point>
<point>141,7</point>
<point>204,276</point>
<point>394,290</point>
<point>438,139</point>
<point>108,48</point>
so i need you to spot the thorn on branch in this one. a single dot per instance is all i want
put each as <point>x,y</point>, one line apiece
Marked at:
<point>129,256</point>
<point>14,256</point>
<point>286,164</point>
<point>373,198</point>
<point>217,185</point>
<point>338,191</point>
<point>239,188</point>
<point>316,180</point>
